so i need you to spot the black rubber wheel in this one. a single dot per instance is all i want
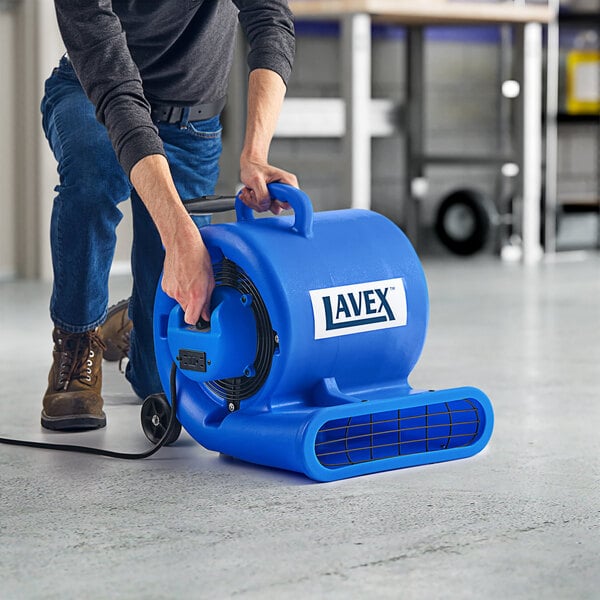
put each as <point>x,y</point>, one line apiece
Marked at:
<point>463,222</point>
<point>155,415</point>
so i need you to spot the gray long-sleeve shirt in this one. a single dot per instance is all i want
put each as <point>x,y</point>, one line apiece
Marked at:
<point>130,53</point>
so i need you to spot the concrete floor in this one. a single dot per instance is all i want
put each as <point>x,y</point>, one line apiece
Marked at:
<point>520,520</point>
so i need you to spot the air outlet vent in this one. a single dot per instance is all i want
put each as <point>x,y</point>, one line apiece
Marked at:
<point>390,434</point>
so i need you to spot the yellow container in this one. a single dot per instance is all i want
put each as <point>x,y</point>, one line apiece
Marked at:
<point>583,82</point>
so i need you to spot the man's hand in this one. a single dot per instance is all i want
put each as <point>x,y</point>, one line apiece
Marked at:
<point>188,275</point>
<point>255,175</point>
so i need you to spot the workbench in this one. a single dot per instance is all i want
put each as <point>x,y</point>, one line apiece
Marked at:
<point>356,18</point>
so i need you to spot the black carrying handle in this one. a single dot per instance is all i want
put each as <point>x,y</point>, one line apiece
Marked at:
<point>207,205</point>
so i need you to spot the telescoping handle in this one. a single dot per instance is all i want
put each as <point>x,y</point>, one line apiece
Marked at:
<point>207,205</point>
<point>296,198</point>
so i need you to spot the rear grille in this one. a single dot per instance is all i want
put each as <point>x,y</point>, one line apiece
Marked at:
<point>234,390</point>
<point>394,433</point>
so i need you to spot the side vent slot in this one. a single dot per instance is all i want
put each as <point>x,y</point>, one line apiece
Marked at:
<point>389,434</point>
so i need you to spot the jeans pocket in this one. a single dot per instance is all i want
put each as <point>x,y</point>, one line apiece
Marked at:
<point>209,129</point>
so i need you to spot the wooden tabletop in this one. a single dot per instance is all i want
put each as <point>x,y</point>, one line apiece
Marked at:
<point>426,12</point>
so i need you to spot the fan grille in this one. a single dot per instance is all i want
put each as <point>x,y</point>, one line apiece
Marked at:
<point>236,389</point>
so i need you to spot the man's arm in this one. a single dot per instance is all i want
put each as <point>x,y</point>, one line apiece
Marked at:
<point>97,47</point>
<point>266,91</point>
<point>188,275</point>
<point>269,29</point>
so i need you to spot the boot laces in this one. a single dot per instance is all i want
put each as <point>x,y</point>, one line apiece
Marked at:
<point>76,356</point>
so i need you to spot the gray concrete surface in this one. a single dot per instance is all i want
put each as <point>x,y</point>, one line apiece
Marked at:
<point>520,520</point>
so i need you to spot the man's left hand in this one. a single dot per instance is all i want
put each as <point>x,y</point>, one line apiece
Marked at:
<point>255,176</point>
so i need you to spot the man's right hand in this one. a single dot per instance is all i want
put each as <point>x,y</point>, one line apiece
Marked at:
<point>188,276</point>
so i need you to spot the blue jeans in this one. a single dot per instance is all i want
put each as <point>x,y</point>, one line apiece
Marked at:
<point>85,215</point>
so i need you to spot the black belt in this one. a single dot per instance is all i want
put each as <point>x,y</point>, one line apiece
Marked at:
<point>175,114</point>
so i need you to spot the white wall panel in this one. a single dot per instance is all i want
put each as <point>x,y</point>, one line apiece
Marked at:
<point>8,195</point>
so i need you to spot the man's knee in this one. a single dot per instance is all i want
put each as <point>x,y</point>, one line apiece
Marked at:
<point>86,160</point>
<point>92,171</point>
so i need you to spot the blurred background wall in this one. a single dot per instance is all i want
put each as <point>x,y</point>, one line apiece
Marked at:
<point>463,100</point>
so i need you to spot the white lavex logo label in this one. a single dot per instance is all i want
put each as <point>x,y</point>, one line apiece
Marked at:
<point>358,308</point>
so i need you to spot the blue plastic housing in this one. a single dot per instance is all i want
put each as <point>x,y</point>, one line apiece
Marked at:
<point>346,308</point>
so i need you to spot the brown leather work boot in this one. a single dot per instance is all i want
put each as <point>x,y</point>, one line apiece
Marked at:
<point>73,399</point>
<point>115,332</point>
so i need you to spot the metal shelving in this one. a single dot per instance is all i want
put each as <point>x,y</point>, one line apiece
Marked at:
<point>556,115</point>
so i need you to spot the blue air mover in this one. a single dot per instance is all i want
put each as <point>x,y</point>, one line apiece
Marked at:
<point>317,321</point>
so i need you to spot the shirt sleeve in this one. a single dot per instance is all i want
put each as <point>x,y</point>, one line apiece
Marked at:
<point>97,47</point>
<point>269,29</point>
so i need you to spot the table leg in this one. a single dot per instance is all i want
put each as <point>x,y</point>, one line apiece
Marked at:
<point>414,127</point>
<point>529,51</point>
<point>356,83</point>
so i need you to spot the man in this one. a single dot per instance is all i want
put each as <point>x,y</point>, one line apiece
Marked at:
<point>133,111</point>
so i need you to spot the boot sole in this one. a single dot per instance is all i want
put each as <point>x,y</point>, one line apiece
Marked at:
<point>73,422</point>
<point>113,353</point>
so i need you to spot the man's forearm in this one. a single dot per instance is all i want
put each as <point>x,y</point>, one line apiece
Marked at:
<point>152,180</point>
<point>266,91</point>
<point>188,274</point>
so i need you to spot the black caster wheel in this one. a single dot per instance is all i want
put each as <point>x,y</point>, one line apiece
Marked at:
<point>155,415</point>
<point>463,222</point>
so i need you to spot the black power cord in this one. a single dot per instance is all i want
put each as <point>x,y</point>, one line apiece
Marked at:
<point>110,453</point>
